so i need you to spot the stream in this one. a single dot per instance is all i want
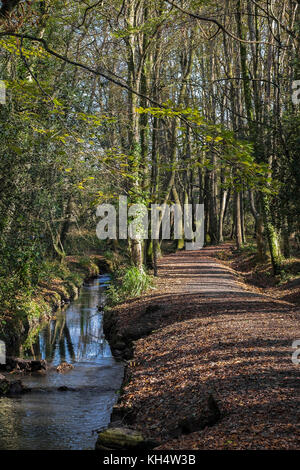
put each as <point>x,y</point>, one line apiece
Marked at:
<point>47,418</point>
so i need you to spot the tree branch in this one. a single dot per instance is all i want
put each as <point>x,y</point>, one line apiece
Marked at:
<point>117,81</point>
<point>217,23</point>
<point>7,7</point>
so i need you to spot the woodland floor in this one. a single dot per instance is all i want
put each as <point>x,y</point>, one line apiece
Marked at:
<point>260,274</point>
<point>212,333</point>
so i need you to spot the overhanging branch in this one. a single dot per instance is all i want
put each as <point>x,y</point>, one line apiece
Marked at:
<point>117,81</point>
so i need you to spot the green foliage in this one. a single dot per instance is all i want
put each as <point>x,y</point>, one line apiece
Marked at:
<point>83,241</point>
<point>75,278</point>
<point>232,152</point>
<point>115,260</point>
<point>135,281</point>
<point>131,282</point>
<point>249,248</point>
<point>88,265</point>
<point>52,270</point>
<point>12,297</point>
<point>34,309</point>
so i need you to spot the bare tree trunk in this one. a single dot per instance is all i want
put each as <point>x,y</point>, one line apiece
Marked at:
<point>238,226</point>
<point>258,228</point>
<point>180,242</point>
<point>221,215</point>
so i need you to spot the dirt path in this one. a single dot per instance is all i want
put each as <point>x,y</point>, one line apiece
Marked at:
<point>217,360</point>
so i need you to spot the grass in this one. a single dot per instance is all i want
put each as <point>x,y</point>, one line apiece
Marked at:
<point>130,282</point>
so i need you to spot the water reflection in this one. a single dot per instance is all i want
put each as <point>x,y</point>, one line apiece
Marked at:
<point>76,333</point>
<point>50,419</point>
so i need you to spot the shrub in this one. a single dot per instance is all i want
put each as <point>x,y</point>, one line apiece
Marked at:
<point>52,270</point>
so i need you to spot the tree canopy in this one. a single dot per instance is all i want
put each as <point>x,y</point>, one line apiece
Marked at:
<point>163,101</point>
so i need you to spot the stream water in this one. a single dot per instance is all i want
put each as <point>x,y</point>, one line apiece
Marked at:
<point>47,418</point>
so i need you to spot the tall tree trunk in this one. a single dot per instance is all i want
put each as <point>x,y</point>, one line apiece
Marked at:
<point>224,196</point>
<point>238,225</point>
<point>259,228</point>
<point>272,235</point>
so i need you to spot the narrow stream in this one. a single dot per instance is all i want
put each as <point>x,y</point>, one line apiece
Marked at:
<point>46,418</point>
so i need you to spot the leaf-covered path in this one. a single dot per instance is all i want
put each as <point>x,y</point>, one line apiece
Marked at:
<point>208,335</point>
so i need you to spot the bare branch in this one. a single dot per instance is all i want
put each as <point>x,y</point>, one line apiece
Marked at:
<point>8,6</point>
<point>217,23</point>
